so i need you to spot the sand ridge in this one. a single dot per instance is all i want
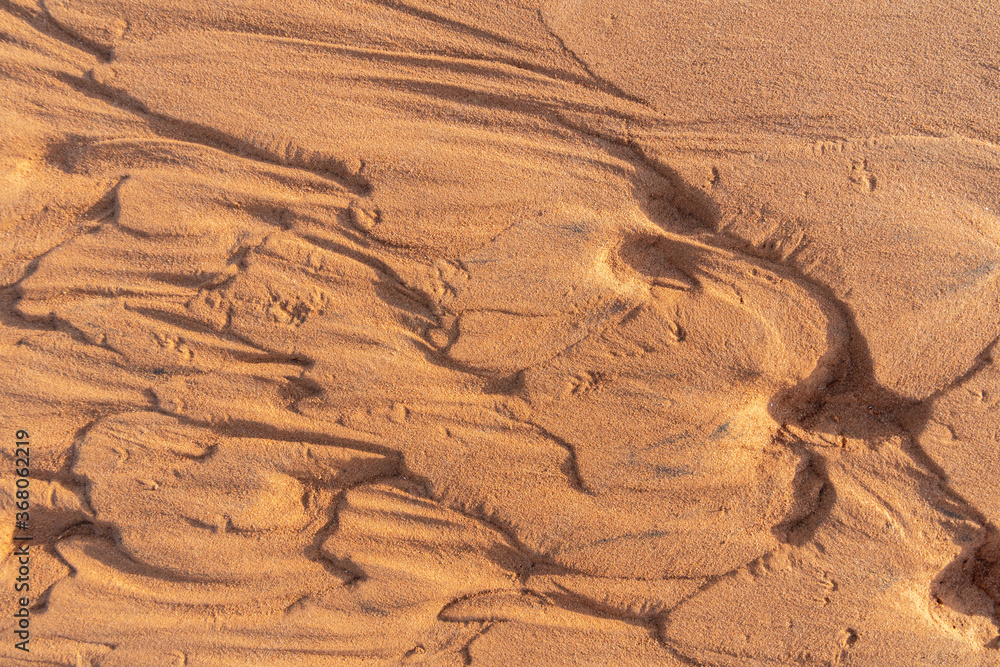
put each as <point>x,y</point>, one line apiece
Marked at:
<point>502,333</point>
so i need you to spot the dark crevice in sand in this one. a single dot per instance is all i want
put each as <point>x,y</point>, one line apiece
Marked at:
<point>601,82</point>
<point>186,323</point>
<point>84,44</point>
<point>338,566</point>
<point>189,132</point>
<point>858,391</point>
<point>466,651</point>
<point>389,277</point>
<point>572,467</point>
<point>476,512</point>
<point>241,428</point>
<point>45,24</point>
<point>983,359</point>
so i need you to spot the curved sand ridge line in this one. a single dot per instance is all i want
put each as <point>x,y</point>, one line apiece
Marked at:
<point>394,354</point>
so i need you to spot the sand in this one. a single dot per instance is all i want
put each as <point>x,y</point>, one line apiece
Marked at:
<point>508,332</point>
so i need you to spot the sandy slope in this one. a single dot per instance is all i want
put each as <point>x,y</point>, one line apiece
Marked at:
<point>503,333</point>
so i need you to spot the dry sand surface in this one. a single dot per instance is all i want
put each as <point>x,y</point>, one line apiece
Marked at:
<point>500,332</point>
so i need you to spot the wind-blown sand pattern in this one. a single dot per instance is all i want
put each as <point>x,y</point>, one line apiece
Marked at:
<point>573,332</point>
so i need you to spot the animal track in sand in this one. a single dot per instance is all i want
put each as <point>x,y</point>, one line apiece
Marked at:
<point>862,176</point>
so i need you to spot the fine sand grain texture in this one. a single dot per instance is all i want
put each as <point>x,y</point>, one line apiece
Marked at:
<point>507,332</point>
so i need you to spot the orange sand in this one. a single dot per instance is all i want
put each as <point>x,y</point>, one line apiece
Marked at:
<point>515,332</point>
